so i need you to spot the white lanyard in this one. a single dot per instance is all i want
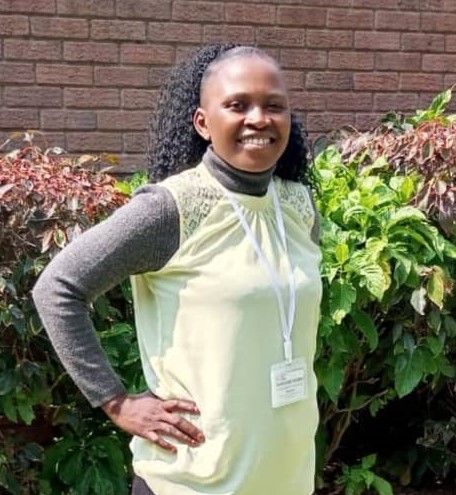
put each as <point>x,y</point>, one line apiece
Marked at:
<point>287,326</point>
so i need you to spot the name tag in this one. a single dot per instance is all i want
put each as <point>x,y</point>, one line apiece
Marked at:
<point>288,382</point>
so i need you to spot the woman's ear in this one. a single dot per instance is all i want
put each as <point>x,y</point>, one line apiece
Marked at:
<point>200,124</point>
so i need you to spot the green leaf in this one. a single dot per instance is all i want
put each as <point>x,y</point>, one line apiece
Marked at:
<point>9,409</point>
<point>439,103</point>
<point>26,412</point>
<point>59,238</point>
<point>342,297</point>
<point>408,373</point>
<point>368,461</point>
<point>6,381</point>
<point>342,253</point>
<point>436,286</point>
<point>366,326</point>
<point>332,377</point>
<point>382,486</point>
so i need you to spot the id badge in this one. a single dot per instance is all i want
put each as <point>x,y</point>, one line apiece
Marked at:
<point>288,382</point>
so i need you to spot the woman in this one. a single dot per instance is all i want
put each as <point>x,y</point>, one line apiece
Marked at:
<point>224,266</point>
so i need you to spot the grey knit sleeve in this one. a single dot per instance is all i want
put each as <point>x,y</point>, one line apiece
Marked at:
<point>315,232</point>
<point>139,237</point>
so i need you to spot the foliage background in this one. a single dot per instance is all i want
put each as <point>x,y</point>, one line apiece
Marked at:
<point>386,349</point>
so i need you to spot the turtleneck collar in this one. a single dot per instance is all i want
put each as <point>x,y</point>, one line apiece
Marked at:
<point>239,181</point>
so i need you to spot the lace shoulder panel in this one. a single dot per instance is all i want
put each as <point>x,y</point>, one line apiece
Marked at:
<point>195,195</point>
<point>297,196</point>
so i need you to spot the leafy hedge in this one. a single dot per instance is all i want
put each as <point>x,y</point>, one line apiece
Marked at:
<point>387,339</point>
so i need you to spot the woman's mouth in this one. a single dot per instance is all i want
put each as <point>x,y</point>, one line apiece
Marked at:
<point>256,142</point>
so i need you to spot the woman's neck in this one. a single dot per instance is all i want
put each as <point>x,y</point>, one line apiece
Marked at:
<point>239,181</point>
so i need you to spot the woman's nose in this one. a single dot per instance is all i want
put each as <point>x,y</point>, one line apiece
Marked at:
<point>257,117</point>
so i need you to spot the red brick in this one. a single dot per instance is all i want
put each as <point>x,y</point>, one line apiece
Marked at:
<point>420,42</point>
<point>94,141</point>
<point>423,5</point>
<point>294,79</point>
<point>133,120</point>
<point>133,53</point>
<point>449,6</point>
<point>351,60</point>
<point>241,13</point>
<point>158,75</point>
<point>385,102</point>
<point>439,63</point>
<point>135,142</point>
<point>32,50</point>
<point>175,32</point>
<point>28,6</point>
<point>450,43</point>
<point>18,118</point>
<point>16,73</point>
<point>13,25</point>
<point>308,101</point>
<point>374,4</point>
<point>281,37</point>
<point>301,16</point>
<point>197,11</point>
<point>438,23</point>
<point>138,99</point>
<point>222,32</point>
<point>87,51</point>
<point>450,80</point>
<point>350,19</point>
<point>326,122</point>
<point>379,41</point>
<point>344,101</point>
<point>398,61</point>
<point>397,21</point>
<point>55,27</point>
<point>68,119</point>
<point>366,121</point>
<point>402,5</point>
<point>421,82</point>
<point>86,8</point>
<point>32,96</point>
<point>118,30</point>
<point>91,98</point>
<point>329,80</point>
<point>325,3</point>
<point>317,38</point>
<point>376,81</point>
<point>64,74</point>
<point>145,9</point>
<point>303,59</point>
<point>121,76</point>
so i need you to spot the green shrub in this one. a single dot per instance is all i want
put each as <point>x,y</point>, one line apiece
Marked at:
<point>52,442</point>
<point>388,326</point>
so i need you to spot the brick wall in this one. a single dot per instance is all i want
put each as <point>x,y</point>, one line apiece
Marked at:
<point>87,71</point>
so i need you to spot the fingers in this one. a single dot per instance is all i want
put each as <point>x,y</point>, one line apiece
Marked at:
<point>150,417</point>
<point>183,405</point>
<point>185,428</point>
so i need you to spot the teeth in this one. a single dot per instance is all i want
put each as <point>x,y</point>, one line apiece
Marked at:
<point>256,141</point>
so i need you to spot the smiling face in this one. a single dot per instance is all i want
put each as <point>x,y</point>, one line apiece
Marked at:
<point>245,113</point>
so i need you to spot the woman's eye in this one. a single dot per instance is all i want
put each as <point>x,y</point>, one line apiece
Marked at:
<point>276,107</point>
<point>236,105</point>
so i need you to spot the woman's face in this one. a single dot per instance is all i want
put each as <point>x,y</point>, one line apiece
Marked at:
<point>245,112</point>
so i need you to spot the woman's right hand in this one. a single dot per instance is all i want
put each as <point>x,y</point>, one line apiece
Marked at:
<point>146,415</point>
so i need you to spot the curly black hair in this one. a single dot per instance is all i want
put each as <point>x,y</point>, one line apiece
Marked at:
<point>174,144</point>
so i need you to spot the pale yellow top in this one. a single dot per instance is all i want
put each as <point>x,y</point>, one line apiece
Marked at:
<point>209,330</point>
